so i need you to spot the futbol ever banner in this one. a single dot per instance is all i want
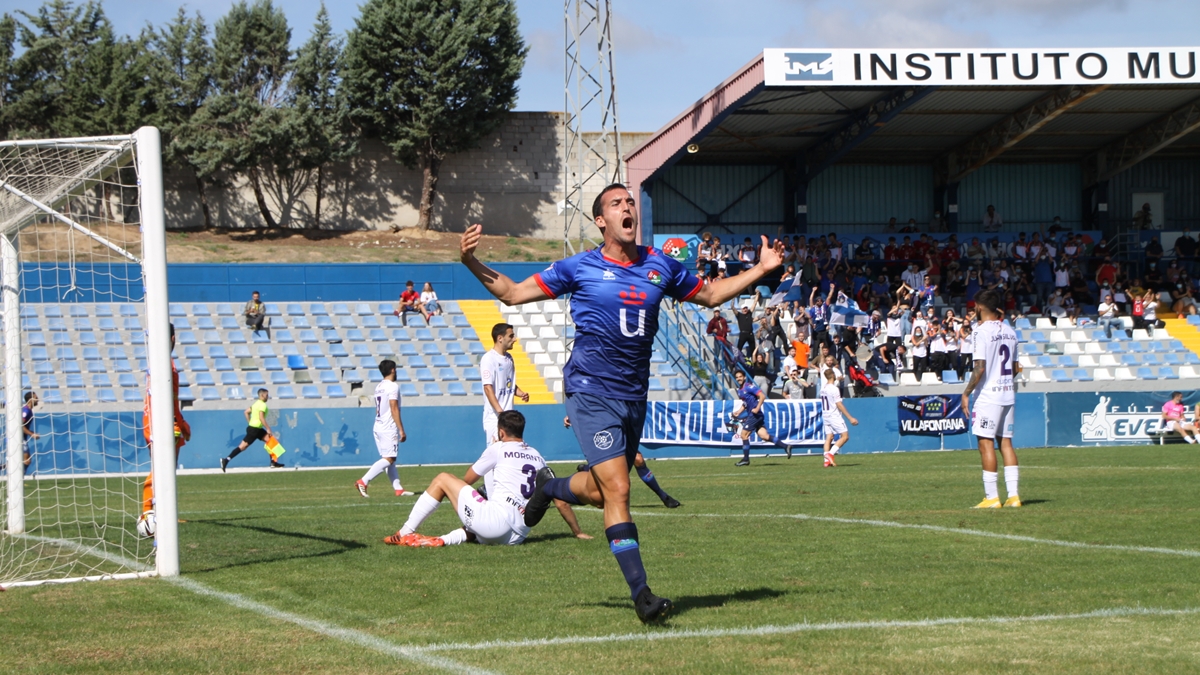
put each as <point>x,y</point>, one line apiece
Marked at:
<point>931,415</point>
<point>706,422</point>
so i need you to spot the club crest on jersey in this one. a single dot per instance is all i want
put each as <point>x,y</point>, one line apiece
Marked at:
<point>608,275</point>
<point>655,277</point>
<point>603,440</point>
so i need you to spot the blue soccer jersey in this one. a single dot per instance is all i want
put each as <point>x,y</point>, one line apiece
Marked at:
<point>615,308</point>
<point>748,392</point>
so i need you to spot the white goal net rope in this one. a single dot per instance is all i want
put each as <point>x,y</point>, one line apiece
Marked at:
<point>71,219</point>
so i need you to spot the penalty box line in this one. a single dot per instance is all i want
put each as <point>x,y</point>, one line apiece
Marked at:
<point>794,628</point>
<point>933,528</point>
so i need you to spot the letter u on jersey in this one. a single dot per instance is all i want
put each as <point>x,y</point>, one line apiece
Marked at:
<point>641,324</point>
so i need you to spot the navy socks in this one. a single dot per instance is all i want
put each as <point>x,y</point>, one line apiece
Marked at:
<point>623,542</point>
<point>746,449</point>
<point>652,482</point>
<point>560,488</point>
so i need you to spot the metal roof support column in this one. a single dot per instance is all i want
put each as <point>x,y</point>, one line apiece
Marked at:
<point>952,207</point>
<point>801,208</point>
<point>1141,144</point>
<point>827,151</point>
<point>1100,220</point>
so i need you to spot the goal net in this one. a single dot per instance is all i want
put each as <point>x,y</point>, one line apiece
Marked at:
<point>85,332</point>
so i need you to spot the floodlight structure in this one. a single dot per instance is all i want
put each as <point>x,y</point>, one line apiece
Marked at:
<point>591,159</point>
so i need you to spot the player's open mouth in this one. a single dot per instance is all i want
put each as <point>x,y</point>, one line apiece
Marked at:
<point>627,223</point>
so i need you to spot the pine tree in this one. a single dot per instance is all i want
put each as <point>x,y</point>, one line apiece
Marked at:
<point>433,77</point>
<point>8,43</point>
<point>322,116</point>
<point>181,80</point>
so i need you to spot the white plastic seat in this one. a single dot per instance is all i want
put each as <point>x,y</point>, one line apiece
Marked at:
<point>1087,361</point>
<point>1026,362</point>
<point>525,333</point>
<point>1058,336</point>
<point>561,358</point>
<point>1065,322</point>
<point>531,308</point>
<point>538,320</point>
<point>558,319</point>
<point>1127,321</point>
<point>509,309</point>
<point>1187,372</point>
<point>1044,323</point>
<point>930,378</point>
<point>1093,348</point>
<point>555,347</point>
<point>1140,334</point>
<point>1072,348</point>
<point>552,307</point>
<point>908,380</point>
<point>515,320</point>
<point>1101,374</point>
<point>1124,374</point>
<point>552,373</point>
<point>534,347</point>
<point>1079,336</point>
<point>557,386</point>
<point>1109,361</point>
<point>547,333</point>
<point>542,359</point>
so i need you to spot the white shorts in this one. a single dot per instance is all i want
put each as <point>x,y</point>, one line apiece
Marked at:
<point>487,521</point>
<point>835,425</point>
<point>387,441</point>
<point>992,421</point>
<point>490,430</point>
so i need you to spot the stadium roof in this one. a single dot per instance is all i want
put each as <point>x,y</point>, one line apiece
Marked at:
<point>1104,108</point>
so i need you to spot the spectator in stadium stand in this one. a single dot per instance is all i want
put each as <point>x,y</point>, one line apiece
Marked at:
<point>789,363</point>
<point>955,282</point>
<point>1107,272</point>
<point>1153,250</point>
<point>882,362</point>
<point>1120,296</point>
<point>1072,247</point>
<point>910,226</point>
<point>891,225</point>
<point>718,328</point>
<point>410,301</point>
<point>914,277</point>
<point>1043,276</point>
<point>835,248</point>
<point>937,349</point>
<point>1173,272</point>
<point>921,246</point>
<point>881,292</point>
<point>1020,247</point>
<point>893,327</point>
<point>996,250</point>
<point>1024,291</point>
<point>1035,247</point>
<point>864,252</point>
<point>254,312</point>
<point>926,293</point>
<point>920,352</point>
<point>748,254</point>
<point>1056,226</point>
<point>950,252</point>
<point>933,268</point>
<point>976,251</point>
<point>1185,250</point>
<point>992,220</point>
<point>1142,220</point>
<point>793,386</point>
<point>745,322</point>
<point>774,323</point>
<point>1183,302</point>
<point>937,223</point>
<point>1153,279</point>
<point>849,348</point>
<point>429,302</point>
<point>906,251</point>
<point>818,316</point>
<point>761,373</point>
<point>1107,315</point>
<point>1150,312</point>
<point>704,253</point>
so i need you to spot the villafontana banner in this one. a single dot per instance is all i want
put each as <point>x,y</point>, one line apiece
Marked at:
<point>931,415</point>
<point>1034,67</point>
<point>704,422</point>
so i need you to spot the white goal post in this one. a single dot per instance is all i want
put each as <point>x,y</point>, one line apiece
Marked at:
<point>82,232</point>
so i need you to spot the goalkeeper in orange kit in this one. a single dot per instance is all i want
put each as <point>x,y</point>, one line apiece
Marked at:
<point>183,431</point>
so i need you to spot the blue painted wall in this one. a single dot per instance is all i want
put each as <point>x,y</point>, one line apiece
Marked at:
<point>233,282</point>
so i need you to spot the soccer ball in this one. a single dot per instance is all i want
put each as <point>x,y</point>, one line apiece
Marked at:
<point>147,525</point>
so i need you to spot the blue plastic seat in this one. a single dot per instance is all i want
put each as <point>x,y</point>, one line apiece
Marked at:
<point>198,309</point>
<point>377,335</point>
<point>1067,361</point>
<point>205,323</point>
<point>222,365</point>
<point>31,324</point>
<point>1171,358</point>
<point>271,309</point>
<point>74,381</point>
<point>655,384</point>
<point>459,321</point>
<point>392,322</point>
<point>374,376</point>
<point>1080,375</point>
<point>1045,362</point>
<point>86,324</point>
<point>78,311</point>
<point>346,322</point>
<point>1145,373</point>
<point>446,334</point>
<point>1151,360</point>
<point>235,394</point>
<point>313,350</point>
<point>454,349</point>
<point>665,370</point>
<point>104,310</point>
<point>416,362</point>
<point>476,388</point>
<point>431,389</point>
<point>1059,375</point>
<point>408,390</point>
<point>321,363</point>
<point>235,337</point>
<point>317,309</point>
<point>423,334</point>
<point>41,354</point>
<point>476,348</point>
<point>272,363</point>
<point>68,338</point>
<point>106,395</point>
<point>463,361</point>
<point>57,325</point>
<point>400,335</point>
<point>295,309</point>
<point>79,396</point>
<point>51,396</point>
<point>285,392</point>
<point>299,322</point>
<point>186,337</point>
<point>423,374</point>
<point>1129,359</point>
<point>1191,359</point>
<point>335,391</point>
<point>217,352</point>
<point>127,380</point>
<point>407,349</point>
<point>230,379</point>
<point>1023,324</point>
<point>340,309</point>
<point>1136,347</point>
<point>228,323</point>
<point>130,395</point>
<point>122,366</point>
<point>338,351</point>
<point>1167,373</point>
<point>1037,336</point>
<point>197,365</point>
<point>91,354</point>
<point>355,336</point>
<point>209,394</point>
<point>363,309</point>
<point>429,349</point>
<point>254,379</point>
<point>950,377</point>
<point>352,376</point>
<point>328,377</point>
<point>324,322</point>
<point>70,367</point>
<point>137,338</point>
<point>677,384</point>
<point>367,322</point>
<point>96,367</point>
<point>284,336</point>
<point>87,338</point>
<point>101,380</point>
<point>52,312</point>
<point>296,362</point>
<point>439,361</point>
<point>447,374</point>
<point>437,321</point>
<point>456,389</point>
<point>310,391</point>
<point>224,309</point>
<point>308,336</point>
<point>259,337</point>
<point>280,377</point>
<point>204,379</point>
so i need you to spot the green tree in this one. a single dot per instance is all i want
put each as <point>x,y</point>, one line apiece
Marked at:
<point>243,128</point>
<point>181,79</point>
<point>433,77</point>
<point>322,119</point>
<point>8,44</point>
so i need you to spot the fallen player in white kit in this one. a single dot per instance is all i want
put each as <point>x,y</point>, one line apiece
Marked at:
<point>508,468</point>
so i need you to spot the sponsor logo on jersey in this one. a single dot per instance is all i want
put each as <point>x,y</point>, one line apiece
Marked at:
<point>603,440</point>
<point>608,275</point>
<point>633,296</point>
<point>655,277</point>
<point>618,545</point>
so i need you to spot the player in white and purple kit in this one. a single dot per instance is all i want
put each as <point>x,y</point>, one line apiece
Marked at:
<point>615,292</point>
<point>994,369</point>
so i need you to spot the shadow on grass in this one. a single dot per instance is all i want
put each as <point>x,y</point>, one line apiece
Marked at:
<point>343,545</point>
<point>689,602</point>
<point>551,537</point>
<point>1027,502</point>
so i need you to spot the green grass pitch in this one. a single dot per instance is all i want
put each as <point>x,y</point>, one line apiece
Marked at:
<point>780,567</point>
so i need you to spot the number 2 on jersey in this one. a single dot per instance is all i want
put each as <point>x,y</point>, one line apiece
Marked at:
<point>1005,359</point>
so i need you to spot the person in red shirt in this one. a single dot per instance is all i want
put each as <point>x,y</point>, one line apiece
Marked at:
<point>718,328</point>
<point>949,252</point>
<point>1107,272</point>
<point>410,301</point>
<point>183,431</point>
<point>922,245</point>
<point>891,251</point>
<point>907,252</point>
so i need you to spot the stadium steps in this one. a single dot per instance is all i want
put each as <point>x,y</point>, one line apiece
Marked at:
<point>1188,334</point>
<point>482,315</point>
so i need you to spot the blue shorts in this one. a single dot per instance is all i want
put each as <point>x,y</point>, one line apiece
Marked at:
<point>752,422</point>
<point>606,428</point>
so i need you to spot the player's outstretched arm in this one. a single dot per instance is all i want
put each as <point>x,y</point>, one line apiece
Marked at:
<point>720,291</point>
<point>568,515</point>
<point>503,288</point>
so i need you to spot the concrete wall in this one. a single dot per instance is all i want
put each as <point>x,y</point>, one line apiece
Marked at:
<point>513,183</point>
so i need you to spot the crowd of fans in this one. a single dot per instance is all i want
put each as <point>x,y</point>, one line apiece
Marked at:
<point>917,294</point>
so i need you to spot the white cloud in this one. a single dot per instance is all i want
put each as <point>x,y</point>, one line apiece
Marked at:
<point>847,28</point>
<point>630,37</point>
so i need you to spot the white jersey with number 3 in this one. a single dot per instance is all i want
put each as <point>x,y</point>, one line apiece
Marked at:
<point>996,346</point>
<point>509,469</point>
<point>385,392</point>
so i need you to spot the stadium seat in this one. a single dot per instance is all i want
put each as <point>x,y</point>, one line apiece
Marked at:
<point>235,394</point>
<point>1136,347</point>
<point>1022,323</point>
<point>392,322</point>
<point>317,309</point>
<point>211,337</point>
<point>1140,334</point>
<point>1145,373</point>
<point>416,362</point>
<point>229,379</point>
<point>887,379</point>
<point>446,335</point>
<point>908,379</point>
<point>324,323</point>
<point>423,334</point>
<point>1044,361</point>
<point>186,337</point>
<point>408,390</point>
<point>1167,373</point>
<point>656,385</point>
<point>1151,360</point>
<point>78,396</point>
<point>272,363</point>
<point>1191,359</point>
<point>75,381</point>
<point>469,334</point>
<point>284,336</point>
<point>204,323</point>
<point>1123,374</point>
<point>437,321</point>
<point>401,375</point>
<point>91,354</point>
<point>310,391</point>
<point>222,365</point>
<point>340,309</point>
<point>197,365</point>
<point>352,376</point>
<point>456,389</point>
<point>78,311</point>
<point>254,379</point>
<point>476,389</point>
<point>185,394</point>
<point>122,366</point>
<point>204,379</point>
<point>463,361</point>
<point>1068,362</point>
<point>127,380</point>
<point>285,392</point>
<point>296,362</point>
<point>431,389</point>
<point>476,348</point>
<point>950,377</point>
<point>335,391</point>
<point>321,363</point>
<point>1188,373</point>
<point>280,377</point>
<point>930,378</point>
<point>438,361</point>
<point>368,322</point>
<point>295,309</point>
<point>87,338</point>
<point>271,309</point>
<point>471,374</point>
<point>447,374</point>
<point>459,321</point>
<point>423,374</point>
<point>400,335</point>
<point>665,370</point>
<point>1059,375</point>
<point>209,394</point>
<point>1170,358</point>
<point>131,395</point>
<point>96,367</point>
<point>106,396</point>
<point>1038,376</point>
<point>346,322</point>
<point>677,384</point>
<point>377,335</point>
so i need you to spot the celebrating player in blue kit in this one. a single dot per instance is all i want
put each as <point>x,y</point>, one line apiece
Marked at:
<point>752,420</point>
<point>615,295</point>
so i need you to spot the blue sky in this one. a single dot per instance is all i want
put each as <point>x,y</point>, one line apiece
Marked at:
<point>670,52</point>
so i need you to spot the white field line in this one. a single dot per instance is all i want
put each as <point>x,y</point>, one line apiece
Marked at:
<point>789,629</point>
<point>347,635</point>
<point>272,509</point>
<point>931,528</point>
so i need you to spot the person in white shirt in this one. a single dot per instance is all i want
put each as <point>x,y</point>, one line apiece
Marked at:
<point>1107,315</point>
<point>508,468</point>
<point>429,301</point>
<point>832,410</point>
<point>914,277</point>
<point>789,364</point>
<point>993,373</point>
<point>499,379</point>
<point>992,220</point>
<point>389,431</point>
